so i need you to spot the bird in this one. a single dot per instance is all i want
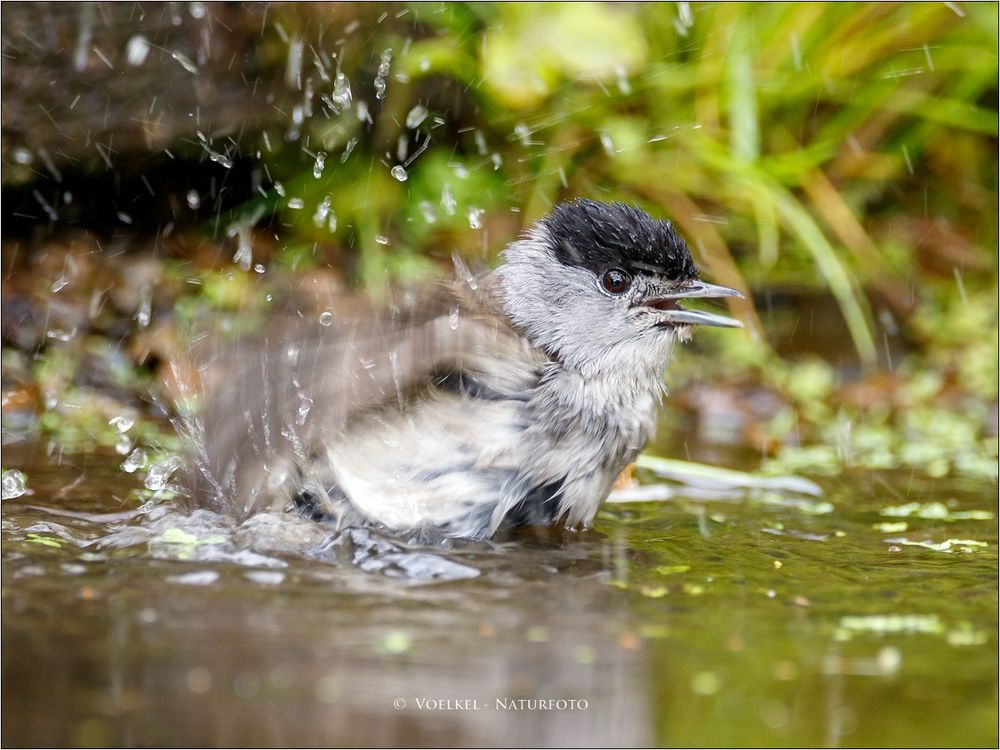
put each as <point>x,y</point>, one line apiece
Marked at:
<point>504,398</point>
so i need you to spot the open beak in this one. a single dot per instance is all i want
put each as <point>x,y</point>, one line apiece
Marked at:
<point>673,314</point>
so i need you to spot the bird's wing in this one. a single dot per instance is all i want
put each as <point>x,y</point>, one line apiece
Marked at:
<point>277,400</point>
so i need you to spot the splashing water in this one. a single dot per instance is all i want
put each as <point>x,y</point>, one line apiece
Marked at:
<point>135,461</point>
<point>416,116</point>
<point>342,97</point>
<point>323,211</point>
<point>399,173</point>
<point>448,202</point>
<point>427,211</point>
<point>348,148</point>
<point>383,72</point>
<point>122,424</point>
<point>319,164</point>
<point>160,473</point>
<point>15,484</point>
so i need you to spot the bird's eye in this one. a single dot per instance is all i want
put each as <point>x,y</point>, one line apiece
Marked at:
<point>616,281</point>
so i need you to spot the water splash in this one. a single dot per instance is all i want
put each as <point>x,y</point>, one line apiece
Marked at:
<point>416,116</point>
<point>448,202</point>
<point>160,473</point>
<point>15,484</point>
<point>122,424</point>
<point>319,164</point>
<point>135,461</point>
<point>427,211</point>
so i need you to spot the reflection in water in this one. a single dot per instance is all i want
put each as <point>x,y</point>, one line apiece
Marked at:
<point>701,622</point>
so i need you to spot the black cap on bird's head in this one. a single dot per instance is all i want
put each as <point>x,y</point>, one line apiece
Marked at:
<point>635,256</point>
<point>599,236</point>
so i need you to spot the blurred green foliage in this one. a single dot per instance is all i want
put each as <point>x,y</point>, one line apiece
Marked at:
<point>841,145</point>
<point>805,150</point>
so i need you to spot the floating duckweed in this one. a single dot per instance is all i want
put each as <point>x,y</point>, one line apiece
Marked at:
<point>175,535</point>
<point>45,541</point>
<point>397,642</point>
<point>883,624</point>
<point>585,655</point>
<point>666,570</point>
<point>890,527</point>
<point>537,634</point>
<point>654,592</point>
<point>936,511</point>
<point>705,683</point>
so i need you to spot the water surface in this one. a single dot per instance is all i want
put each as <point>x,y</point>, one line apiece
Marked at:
<point>763,619</point>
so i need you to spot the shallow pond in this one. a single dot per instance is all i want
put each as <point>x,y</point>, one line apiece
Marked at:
<point>867,617</point>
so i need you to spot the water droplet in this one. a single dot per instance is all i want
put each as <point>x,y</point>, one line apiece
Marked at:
<point>416,116</point>
<point>523,133</point>
<point>259,268</point>
<point>624,86</point>
<point>322,211</point>
<point>383,71</point>
<point>279,189</point>
<point>159,473</point>
<point>145,311</point>
<point>326,318</point>
<point>475,217</point>
<point>448,202</point>
<point>427,211</point>
<point>608,144</point>
<point>381,239</point>
<point>136,50</point>
<point>342,95</point>
<point>124,445</point>
<point>197,10</point>
<point>399,173</point>
<point>402,147</point>
<point>497,161</point>
<point>348,148</point>
<point>193,199</point>
<point>15,484</point>
<point>305,404</point>
<point>453,319</point>
<point>122,424</point>
<point>60,335</point>
<point>136,460</point>
<point>296,203</point>
<point>319,164</point>
<point>480,140</point>
<point>363,114</point>
<point>461,171</point>
<point>185,62</point>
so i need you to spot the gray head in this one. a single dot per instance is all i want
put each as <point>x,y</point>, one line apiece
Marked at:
<point>595,284</point>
